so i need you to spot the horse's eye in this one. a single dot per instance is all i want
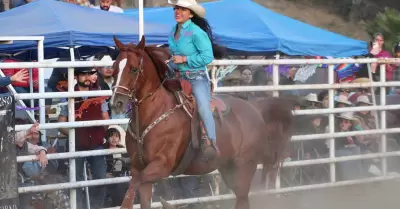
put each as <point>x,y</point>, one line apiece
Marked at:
<point>134,70</point>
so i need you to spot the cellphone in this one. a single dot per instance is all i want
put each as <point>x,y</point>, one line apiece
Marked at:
<point>375,45</point>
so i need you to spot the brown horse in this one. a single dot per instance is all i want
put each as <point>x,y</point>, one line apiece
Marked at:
<point>160,129</point>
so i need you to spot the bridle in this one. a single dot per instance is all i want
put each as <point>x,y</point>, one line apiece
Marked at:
<point>131,94</point>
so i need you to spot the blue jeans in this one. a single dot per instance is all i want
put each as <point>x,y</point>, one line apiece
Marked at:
<point>98,167</point>
<point>201,91</point>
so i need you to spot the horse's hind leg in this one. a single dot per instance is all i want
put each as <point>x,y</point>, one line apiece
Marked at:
<point>244,176</point>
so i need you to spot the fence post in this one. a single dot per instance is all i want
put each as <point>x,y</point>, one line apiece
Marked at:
<point>383,144</point>
<point>8,157</point>
<point>331,95</point>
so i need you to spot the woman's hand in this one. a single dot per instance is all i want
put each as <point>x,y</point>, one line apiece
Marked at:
<point>20,76</point>
<point>179,59</point>
<point>42,157</point>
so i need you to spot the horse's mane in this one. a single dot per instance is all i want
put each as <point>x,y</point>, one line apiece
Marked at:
<point>159,55</point>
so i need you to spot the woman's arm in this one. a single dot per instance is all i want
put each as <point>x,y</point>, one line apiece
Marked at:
<point>5,81</point>
<point>35,149</point>
<point>205,51</point>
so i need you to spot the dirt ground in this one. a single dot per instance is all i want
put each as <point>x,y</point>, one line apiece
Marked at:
<point>380,195</point>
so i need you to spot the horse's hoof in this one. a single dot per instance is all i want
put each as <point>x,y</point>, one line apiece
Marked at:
<point>165,204</point>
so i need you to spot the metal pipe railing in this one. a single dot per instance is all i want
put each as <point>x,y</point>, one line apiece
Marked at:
<point>117,180</point>
<point>72,64</point>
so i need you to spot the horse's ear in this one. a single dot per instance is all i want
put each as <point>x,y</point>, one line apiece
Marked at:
<point>118,43</point>
<point>142,43</point>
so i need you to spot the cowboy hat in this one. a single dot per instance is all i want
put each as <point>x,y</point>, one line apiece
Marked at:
<point>81,70</point>
<point>234,75</point>
<point>346,116</point>
<point>360,80</point>
<point>363,99</point>
<point>311,97</point>
<point>342,99</point>
<point>190,4</point>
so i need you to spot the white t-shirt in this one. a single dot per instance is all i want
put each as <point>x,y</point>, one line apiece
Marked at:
<point>112,9</point>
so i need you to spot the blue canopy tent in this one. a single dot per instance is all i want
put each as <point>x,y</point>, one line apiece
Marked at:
<point>247,26</point>
<point>66,25</point>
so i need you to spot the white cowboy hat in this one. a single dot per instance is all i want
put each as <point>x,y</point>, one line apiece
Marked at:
<point>346,116</point>
<point>342,99</point>
<point>311,97</point>
<point>363,99</point>
<point>106,58</point>
<point>190,4</point>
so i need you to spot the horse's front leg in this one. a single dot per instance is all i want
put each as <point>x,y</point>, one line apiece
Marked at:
<point>146,192</point>
<point>134,184</point>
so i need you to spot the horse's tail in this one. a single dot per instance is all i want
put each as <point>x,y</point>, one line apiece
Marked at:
<point>278,117</point>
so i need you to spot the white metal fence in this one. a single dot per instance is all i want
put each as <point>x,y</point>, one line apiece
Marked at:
<point>72,154</point>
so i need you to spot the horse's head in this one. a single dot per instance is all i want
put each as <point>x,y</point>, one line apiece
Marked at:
<point>130,75</point>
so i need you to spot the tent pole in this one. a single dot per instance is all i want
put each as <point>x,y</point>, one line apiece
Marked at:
<point>141,20</point>
<point>71,132</point>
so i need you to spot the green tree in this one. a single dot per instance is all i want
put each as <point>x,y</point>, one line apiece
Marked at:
<point>387,23</point>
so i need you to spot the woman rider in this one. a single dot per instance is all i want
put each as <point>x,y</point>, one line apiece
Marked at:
<point>192,49</point>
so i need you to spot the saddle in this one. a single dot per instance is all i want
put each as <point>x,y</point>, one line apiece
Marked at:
<point>182,89</point>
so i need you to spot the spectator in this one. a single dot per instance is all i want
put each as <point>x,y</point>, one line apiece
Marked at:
<point>366,121</point>
<point>117,166</point>
<point>24,85</point>
<point>29,169</point>
<point>106,73</point>
<point>19,77</point>
<point>247,76</point>
<point>312,100</point>
<point>347,146</point>
<point>323,96</point>
<point>104,80</point>
<point>105,5</point>
<point>361,91</point>
<point>233,79</point>
<point>88,138</point>
<point>342,101</point>
<point>58,80</point>
<point>396,72</point>
<point>377,51</point>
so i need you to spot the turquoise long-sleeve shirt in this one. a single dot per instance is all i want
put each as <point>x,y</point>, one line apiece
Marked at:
<point>193,43</point>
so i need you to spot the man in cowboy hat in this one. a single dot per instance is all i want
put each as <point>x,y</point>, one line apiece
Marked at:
<point>232,79</point>
<point>342,101</point>
<point>89,138</point>
<point>361,91</point>
<point>312,100</point>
